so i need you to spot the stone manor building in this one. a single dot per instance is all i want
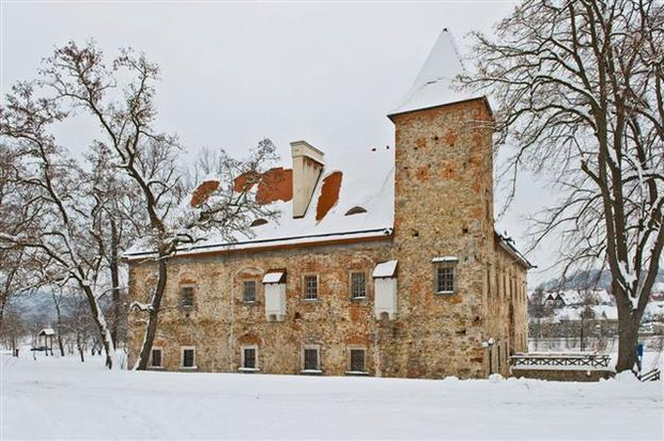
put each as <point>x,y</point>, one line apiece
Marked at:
<point>383,264</point>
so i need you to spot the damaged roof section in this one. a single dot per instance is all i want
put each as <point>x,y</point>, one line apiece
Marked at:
<point>274,185</point>
<point>329,194</point>
<point>331,186</point>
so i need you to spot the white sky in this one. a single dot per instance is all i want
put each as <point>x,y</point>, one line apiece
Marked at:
<point>234,73</point>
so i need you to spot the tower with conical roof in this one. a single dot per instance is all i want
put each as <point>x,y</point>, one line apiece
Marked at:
<point>443,226</point>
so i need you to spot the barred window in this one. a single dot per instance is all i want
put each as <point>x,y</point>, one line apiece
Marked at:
<point>249,358</point>
<point>445,278</point>
<point>249,291</point>
<point>156,358</point>
<point>311,361</point>
<point>187,297</point>
<point>357,360</point>
<point>188,357</point>
<point>358,285</point>
<point>311,287</point>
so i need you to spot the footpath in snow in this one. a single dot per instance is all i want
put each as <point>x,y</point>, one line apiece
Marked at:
<point>62,398</point>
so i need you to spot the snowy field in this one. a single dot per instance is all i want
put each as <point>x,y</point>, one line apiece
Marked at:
<point>62,398</point>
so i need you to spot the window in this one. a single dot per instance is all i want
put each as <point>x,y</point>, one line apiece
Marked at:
<point>311,358</point>
<point>357,357</point>
<point>249,357</point>
<point>358,285</point>
<point>156,359</point>
<point>445,278</point>
<point>187,297</point>
<point>311,287</point>
<point>188,357</point>
<point>249,291</point>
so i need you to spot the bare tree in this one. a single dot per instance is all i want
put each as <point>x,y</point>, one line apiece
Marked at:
<point>59,329</point>
<point>579,88</point>
<point>14,329</point>
<point>14,219</point>
<point>120,100</point>
<point>119,221</point>
<point>64,243</point>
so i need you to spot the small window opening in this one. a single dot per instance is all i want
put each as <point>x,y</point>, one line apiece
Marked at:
<point>258,222</point>
<point>357,360</point>
<point>356,210</point>
<point>156,358</point>
<point>187,297</point>
<point>311,359</point>
<point>249,358</point>
<point>358,286</point>
<point>249,291</point>
<point>188,358</point>
<point>445,277</point>
<point>310,287</point>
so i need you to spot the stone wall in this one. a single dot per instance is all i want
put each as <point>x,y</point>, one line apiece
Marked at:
<point>443,211</point>
<point>221,323</point>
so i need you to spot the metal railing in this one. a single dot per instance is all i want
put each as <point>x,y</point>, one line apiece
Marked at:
<point>562,360</point>
<point>652,375</point>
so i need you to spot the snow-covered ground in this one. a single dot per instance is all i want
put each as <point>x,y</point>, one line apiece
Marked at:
<point>62,398</point>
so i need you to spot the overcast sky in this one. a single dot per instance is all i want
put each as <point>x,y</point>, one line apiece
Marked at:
<point>234,73</point>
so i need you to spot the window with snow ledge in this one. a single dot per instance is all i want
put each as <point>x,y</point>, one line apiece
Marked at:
<point>156,358</point>
<point>445,276</point>
<point>357,361</point>
<point>358,285</point>
<point>188,357</point>
<point>311,360</point>
<point>249,362</point>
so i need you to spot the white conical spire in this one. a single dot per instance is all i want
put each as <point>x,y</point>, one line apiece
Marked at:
<point>433,85</point>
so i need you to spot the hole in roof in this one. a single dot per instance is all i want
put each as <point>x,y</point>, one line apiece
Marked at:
<point>258,222</point>
<point>356,210</point>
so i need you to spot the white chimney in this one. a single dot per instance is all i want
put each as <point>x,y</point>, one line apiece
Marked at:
<point>307,168</point>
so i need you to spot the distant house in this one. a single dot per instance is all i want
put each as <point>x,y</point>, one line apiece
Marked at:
<point>555,299</point>
<point>47,335</point>
<point>384,262</point>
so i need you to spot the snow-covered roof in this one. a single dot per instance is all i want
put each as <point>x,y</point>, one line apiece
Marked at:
<point>47,331</point>
<point>367,181</point>
<point>444,259</point>
<point>433,85</point>
<point>385,270</point>
<point>275,276</point>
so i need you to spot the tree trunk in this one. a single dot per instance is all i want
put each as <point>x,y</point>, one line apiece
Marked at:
<point>628,339</point>
<point>115,281</point>
<point>102,327</point>
<point>151,329</point>
<point>3,301</point>
<point>80,346</point>
<point>59,326</point>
